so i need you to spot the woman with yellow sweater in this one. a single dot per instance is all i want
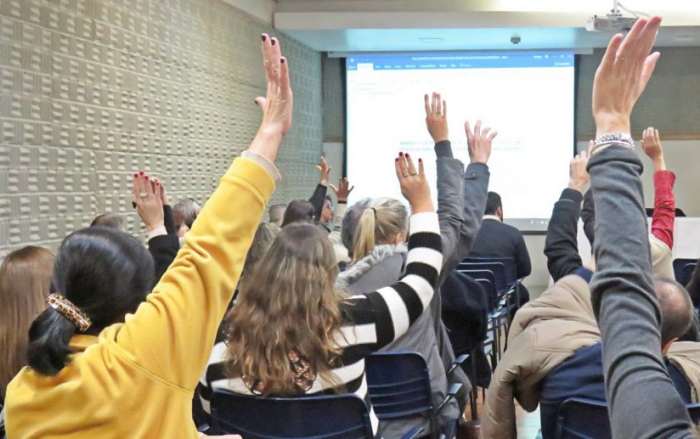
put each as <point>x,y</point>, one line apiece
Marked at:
<point>98,371</point>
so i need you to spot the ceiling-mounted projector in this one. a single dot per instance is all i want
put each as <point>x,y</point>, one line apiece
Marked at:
<point>612,22</point>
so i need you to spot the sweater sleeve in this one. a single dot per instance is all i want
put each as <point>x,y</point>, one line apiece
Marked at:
<point>626,306</point>
<point>171,334</point>
<point>664,207</point>
<point>476,185</point>
<point>561,245</point>
<point>394,309</point>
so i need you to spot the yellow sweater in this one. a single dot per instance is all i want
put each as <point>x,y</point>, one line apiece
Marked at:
<point>137,379</point>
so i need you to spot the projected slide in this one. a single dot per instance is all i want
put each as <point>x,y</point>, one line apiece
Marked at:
<point>527,97</point>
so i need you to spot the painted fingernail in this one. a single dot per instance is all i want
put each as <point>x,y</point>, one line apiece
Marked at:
<point>157,183</point>
<point>264,38</point>
<point>400,154</point>
<point>273,41</point>
<point>397,160</point>
<point>420,160</point>
<point>407,155</point>
<point>146,177</point>
<point>136,175</point>
<point>282,60</point>
<point>141,173</point>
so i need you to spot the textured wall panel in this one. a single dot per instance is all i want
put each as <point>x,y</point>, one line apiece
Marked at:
<point>92,90</point>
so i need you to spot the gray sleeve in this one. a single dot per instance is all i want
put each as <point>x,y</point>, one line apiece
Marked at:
<point>450,172</point>
<point>642,400</point>
<point>476,185</point>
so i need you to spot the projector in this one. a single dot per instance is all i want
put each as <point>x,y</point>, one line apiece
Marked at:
<point>610,23</point>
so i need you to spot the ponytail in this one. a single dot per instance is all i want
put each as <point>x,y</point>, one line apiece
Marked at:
<point>364,235</point>
<point>380,223</point>
<point>49,336</point>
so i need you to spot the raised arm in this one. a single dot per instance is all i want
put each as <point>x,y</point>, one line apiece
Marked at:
<point>394,309</point>
<point>664,202</point>
<point>319,196</point>
<point>476,185</point>
<point>342,192</point>
<point>622,290</point>
<point>171,335</point>
<point>561,244</point>
<point>450,190</point>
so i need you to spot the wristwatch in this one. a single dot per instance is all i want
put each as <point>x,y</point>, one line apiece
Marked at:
<point>618,139</point>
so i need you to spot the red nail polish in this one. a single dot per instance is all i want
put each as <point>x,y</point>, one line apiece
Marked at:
<point>146,177</point>
<point>273,41</point>
<point>136,175</point>
<point>264,38</point>
<point>397,160</point>
<point>401,154</point>
<point>157,183</point>
<point>407,155</point>
<point>420,160</point>
<point>141,173</point>
<point>282,60</point>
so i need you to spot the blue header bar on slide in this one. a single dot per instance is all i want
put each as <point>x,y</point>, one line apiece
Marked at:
<point>459,61</point>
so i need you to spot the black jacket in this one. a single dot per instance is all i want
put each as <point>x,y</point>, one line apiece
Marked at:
<point>498,240</point>
<point>164,248</point>
<point>561,244</point>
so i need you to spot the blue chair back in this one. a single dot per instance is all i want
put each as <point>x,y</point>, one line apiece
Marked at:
<point>317,417</point>
<point>679,266</point>
<point>487,280</point>
<point>688,273</point>
<point>503,268</point>
<point>399,384</point>
<point>581,418</point>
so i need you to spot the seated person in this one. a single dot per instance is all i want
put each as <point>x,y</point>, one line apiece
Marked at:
<point>268,352</point>
<point>184,214</point>
<point>499,240</point>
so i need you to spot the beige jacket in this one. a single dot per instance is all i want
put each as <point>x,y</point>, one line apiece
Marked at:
<point>545,332</point>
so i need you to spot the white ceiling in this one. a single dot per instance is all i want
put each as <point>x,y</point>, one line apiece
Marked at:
<point>425,25</point>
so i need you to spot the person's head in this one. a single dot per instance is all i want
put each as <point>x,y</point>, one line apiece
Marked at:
<point>494,205</point>
<point>327,212</point>
<point>276,213</point>
<point>299,210</point>
<point>384,221</point>
<point>25,283</point>
<point>112,220</point>
<point>105,274</point>
<point>184,214</point>
<point>264,237</point>
<point>289,305</point>
<point>350,223</point>
<point>676,311</point>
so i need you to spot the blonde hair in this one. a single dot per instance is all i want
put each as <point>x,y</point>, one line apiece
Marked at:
<point>379,224</point>
<point>287,305</point>
<point>25,282</point>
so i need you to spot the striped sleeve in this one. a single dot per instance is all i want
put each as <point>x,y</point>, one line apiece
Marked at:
<point>397,307</point>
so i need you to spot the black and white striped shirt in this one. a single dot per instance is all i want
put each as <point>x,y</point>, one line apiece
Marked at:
<point>371,321</point>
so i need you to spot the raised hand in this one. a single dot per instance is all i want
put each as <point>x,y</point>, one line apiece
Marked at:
<point>578,175</point>
<point>149,204</point>
<point>414,185</point>
<point>623,75</point>
<point>651,144</point>
<point>325,169</point>
<point>479,142</point>
<point>342,192</point>
<point>436,118</point>
<point>163,192</point>
<point>278,103</point>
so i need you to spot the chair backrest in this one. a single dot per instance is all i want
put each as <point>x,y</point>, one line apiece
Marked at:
<point>319,417</point>
<point>497,268</point>
<point>399,384</point>
<point>488,280</point>
<point>581,418</point>
<point>679,269</point>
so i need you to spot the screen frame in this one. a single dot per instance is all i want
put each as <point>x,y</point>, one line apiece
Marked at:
<point>533,231</point>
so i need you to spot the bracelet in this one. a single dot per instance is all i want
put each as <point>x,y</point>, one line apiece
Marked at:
<point>607,140</point>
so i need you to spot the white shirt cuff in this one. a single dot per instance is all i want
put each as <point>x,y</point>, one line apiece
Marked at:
<point>157,232</point>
